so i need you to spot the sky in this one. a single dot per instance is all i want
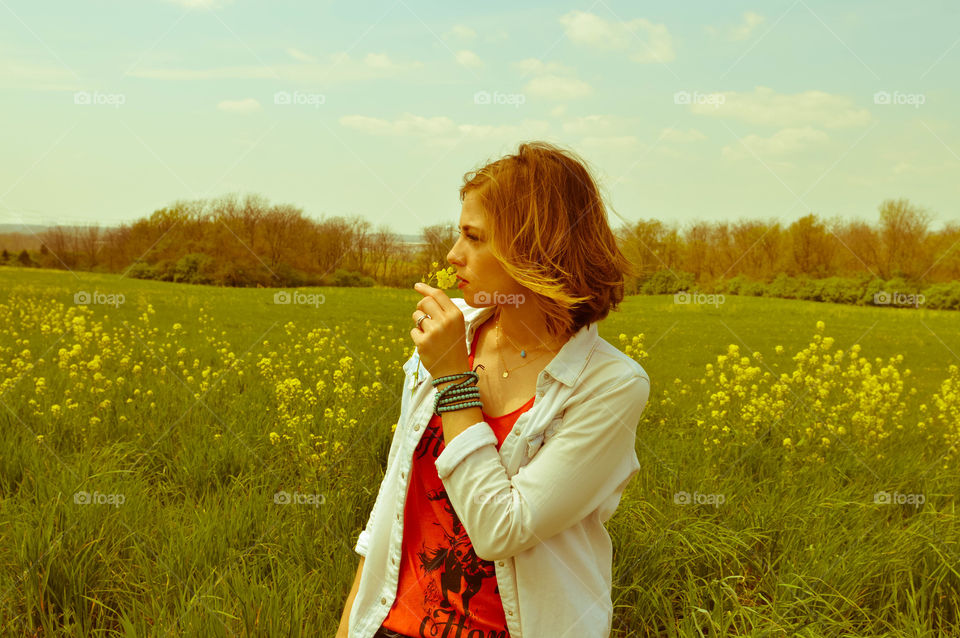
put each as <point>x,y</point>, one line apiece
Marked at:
<point>686,111</point>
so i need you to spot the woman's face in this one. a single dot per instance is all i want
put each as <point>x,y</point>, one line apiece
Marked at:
<point>487,283</point>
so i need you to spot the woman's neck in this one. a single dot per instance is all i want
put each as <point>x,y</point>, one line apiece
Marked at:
<point>524,328</point>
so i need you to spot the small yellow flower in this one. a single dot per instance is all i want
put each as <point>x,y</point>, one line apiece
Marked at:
<point>274,438</point>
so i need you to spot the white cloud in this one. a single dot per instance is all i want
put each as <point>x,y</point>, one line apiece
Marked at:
<point>38,77</point>
<point>615,131</point>
<point>469,59</point>
<point>535,65</point>
<point>674,135</point>
<point>407,124</point>
<point>609,141</point>
<point>556,87</point>
<point>783,142</point>
<point>739,32</point>
<point>461,32</point>
<point>339,68</point>
<point>597,125</point>
<point>552,80</point>
<point>649,42</point>
<point>442,131</point>
<point>767,107</point>
<point>247,105</point>
<point>297,54</point>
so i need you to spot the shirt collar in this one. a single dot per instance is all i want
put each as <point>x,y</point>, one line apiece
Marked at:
<point>565,367</point>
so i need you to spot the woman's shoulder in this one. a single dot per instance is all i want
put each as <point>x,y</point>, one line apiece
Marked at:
<point>609,364</point>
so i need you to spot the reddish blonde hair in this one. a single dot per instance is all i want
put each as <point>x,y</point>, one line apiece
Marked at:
<point>548,228</point>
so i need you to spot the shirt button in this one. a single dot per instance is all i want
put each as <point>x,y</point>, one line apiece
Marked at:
<point>516,432</point>
<point>394,561</point>
<point>402,475</point>
<point>509,613</point>
<point>398,517</point>
<point>383,601</point>
<point>500,563</point>
<point>416,428</point>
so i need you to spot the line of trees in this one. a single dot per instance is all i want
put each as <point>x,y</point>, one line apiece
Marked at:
<point>248,241</point>
<point>900,245</point>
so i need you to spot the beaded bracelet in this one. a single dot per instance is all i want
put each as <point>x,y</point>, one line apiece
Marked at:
<point>461,391</point>
<point>445,399</point>
<point>470,404</point>
<point>448,398</point>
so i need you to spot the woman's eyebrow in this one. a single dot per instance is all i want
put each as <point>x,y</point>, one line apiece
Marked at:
<point>468,227</point>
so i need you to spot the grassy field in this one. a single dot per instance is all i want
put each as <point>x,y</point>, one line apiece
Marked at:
<point>185,460</point>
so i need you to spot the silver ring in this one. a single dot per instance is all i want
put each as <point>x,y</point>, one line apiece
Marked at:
<point>425,316</point>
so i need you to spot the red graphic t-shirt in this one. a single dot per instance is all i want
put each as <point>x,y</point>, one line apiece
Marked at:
<point>445,589</point>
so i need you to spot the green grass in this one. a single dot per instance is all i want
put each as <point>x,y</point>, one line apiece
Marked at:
<point>199,547</point>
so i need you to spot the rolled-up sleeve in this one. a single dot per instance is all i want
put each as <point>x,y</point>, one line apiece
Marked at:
<point>591,457</point>
<point>471,439</point>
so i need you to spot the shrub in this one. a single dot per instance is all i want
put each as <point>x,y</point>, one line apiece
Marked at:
<point>351,279</point>
<point>945,296</point>
<point>194,268</point>
<point>664,282</point>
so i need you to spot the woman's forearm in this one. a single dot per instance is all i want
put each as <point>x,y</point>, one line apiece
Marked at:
<point>342,631</point>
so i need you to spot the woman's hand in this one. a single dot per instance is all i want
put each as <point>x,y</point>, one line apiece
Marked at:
<point>441,339</point>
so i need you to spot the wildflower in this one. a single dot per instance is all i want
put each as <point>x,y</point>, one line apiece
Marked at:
<point>274,438</point>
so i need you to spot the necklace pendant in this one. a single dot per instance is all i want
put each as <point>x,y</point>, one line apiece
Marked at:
<point>523,353</point>
<point>505,373</point>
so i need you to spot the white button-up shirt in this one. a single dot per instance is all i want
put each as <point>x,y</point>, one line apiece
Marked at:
<point>536,507</point>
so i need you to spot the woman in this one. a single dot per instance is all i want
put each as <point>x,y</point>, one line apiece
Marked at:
<point>504,467</point>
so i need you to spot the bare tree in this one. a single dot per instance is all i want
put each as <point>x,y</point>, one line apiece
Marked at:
<point>903,232</point>
<point>384,245</point>
<point>438,239</point>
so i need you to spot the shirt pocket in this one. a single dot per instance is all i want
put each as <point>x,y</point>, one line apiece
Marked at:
<point>536,441</point>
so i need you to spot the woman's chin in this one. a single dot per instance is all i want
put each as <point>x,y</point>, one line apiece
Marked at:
<point>476,300</point>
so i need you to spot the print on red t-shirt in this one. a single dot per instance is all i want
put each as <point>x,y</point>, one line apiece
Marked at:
<point>444,588</point>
